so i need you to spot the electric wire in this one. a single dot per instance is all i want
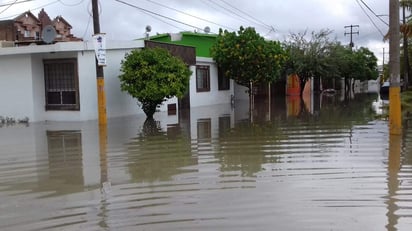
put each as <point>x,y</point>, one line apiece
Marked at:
<point>87,27</point>
<point>194,16</point>
<point>42,6</point>
<point>73,4</point>
<point>220,6</point>
<point>373,12</point>
<point>254,21</point>
<point>159,15</point>
<point>250,16</point>
<point>370,19</point>
<point>12,4</point>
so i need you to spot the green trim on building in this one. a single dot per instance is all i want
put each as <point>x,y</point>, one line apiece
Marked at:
<point>202,42</point>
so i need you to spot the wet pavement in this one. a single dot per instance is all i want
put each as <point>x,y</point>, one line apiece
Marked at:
<point>322,165</point>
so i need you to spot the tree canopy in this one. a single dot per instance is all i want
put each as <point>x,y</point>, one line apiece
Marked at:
<point>246,57</point>
<point>152,75</point>
<point>319,56</point>
<point>308,57</point>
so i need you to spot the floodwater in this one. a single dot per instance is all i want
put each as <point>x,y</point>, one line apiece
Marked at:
<point>319,165</point>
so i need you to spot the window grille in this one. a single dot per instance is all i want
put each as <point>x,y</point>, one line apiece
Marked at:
<point>61,84</point>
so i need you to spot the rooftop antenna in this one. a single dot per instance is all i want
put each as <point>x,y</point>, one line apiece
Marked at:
<point>48,34</point>
<point>207,30</point>
<point>148,29</point>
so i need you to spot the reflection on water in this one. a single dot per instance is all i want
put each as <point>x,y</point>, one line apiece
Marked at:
<point>316,164</point>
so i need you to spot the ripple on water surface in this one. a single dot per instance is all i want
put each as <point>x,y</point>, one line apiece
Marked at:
<point>261,176</point>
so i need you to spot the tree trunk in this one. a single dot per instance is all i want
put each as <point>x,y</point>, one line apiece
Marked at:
<point>149,108</point>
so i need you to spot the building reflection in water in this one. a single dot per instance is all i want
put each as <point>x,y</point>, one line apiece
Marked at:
<point>65,156</point>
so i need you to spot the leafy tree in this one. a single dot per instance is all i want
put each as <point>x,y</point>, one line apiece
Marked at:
<point>322,57</point>
<point>366,61</point>
<point>246,57</point>
<point>153,75</point>
<point>308,57</point>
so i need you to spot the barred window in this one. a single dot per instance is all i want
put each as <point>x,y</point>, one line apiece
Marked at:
<point>61,84</point>
<point>202,78</point>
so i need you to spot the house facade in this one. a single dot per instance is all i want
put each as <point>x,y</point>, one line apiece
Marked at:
<point>57,82</point>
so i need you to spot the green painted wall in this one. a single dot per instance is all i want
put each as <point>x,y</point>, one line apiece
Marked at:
<point>202,42</point>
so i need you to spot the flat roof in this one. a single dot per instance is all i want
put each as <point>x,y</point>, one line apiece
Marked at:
<point>70,46</point>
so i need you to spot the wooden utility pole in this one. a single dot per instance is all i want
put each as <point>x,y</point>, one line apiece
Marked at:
<point>101,103</point>
<point>101,97</point>
<point>395,120</point>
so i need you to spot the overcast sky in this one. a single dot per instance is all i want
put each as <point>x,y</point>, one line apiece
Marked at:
<point>273,19</point>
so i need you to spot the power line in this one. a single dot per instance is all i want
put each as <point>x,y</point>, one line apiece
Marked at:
<point>370,19</point>
<point>159,15</point>
<point>232,12</point>
<point>71,4</point>
<point>14,3</point>
<point>8,6</point>
<point>373,12</point>
<point>250,16</point>
<point>179,11</point>
<point>218,7</point>
<point>42,6</point>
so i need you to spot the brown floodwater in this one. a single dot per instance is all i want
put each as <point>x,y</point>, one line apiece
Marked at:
<point>315,165</point>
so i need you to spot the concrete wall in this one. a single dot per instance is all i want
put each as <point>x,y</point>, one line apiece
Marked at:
<point>16,93</point>
<point>22,90</point>
<point>214,96</point>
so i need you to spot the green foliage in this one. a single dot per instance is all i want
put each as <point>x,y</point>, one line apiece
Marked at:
<point>246,57</point>
<point>321,57</point>
<point>152,76</point>
<point>308,58</point>
<point>360,64</point>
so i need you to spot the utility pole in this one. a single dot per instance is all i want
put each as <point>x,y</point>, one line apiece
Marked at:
<point>101,103</point>
<point>351,33</point>
<point>101,97</point>
<point>395,120</point>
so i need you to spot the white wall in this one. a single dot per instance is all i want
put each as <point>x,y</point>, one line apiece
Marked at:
<point>214,96</point>
<point>22,90</point>
<point>16,95</point>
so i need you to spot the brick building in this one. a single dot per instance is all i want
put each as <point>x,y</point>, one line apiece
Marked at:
<point>27,28</point>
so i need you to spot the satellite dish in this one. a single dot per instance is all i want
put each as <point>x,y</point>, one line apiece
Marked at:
<point>207,30</point>
<point>48,34</point>
<point>148,28</point>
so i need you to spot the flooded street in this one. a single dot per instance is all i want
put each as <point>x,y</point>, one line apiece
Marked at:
<point>327,166</point>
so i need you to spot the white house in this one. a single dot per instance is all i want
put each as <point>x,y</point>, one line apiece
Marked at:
<point>57,82</point>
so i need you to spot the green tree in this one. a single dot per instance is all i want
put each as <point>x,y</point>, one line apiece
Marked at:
<point>308,57</point>
<point>366,64</point>
<point>246,57</point>
<point>153,75</point>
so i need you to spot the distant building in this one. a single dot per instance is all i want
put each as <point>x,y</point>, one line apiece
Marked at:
<point>26,29</point>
